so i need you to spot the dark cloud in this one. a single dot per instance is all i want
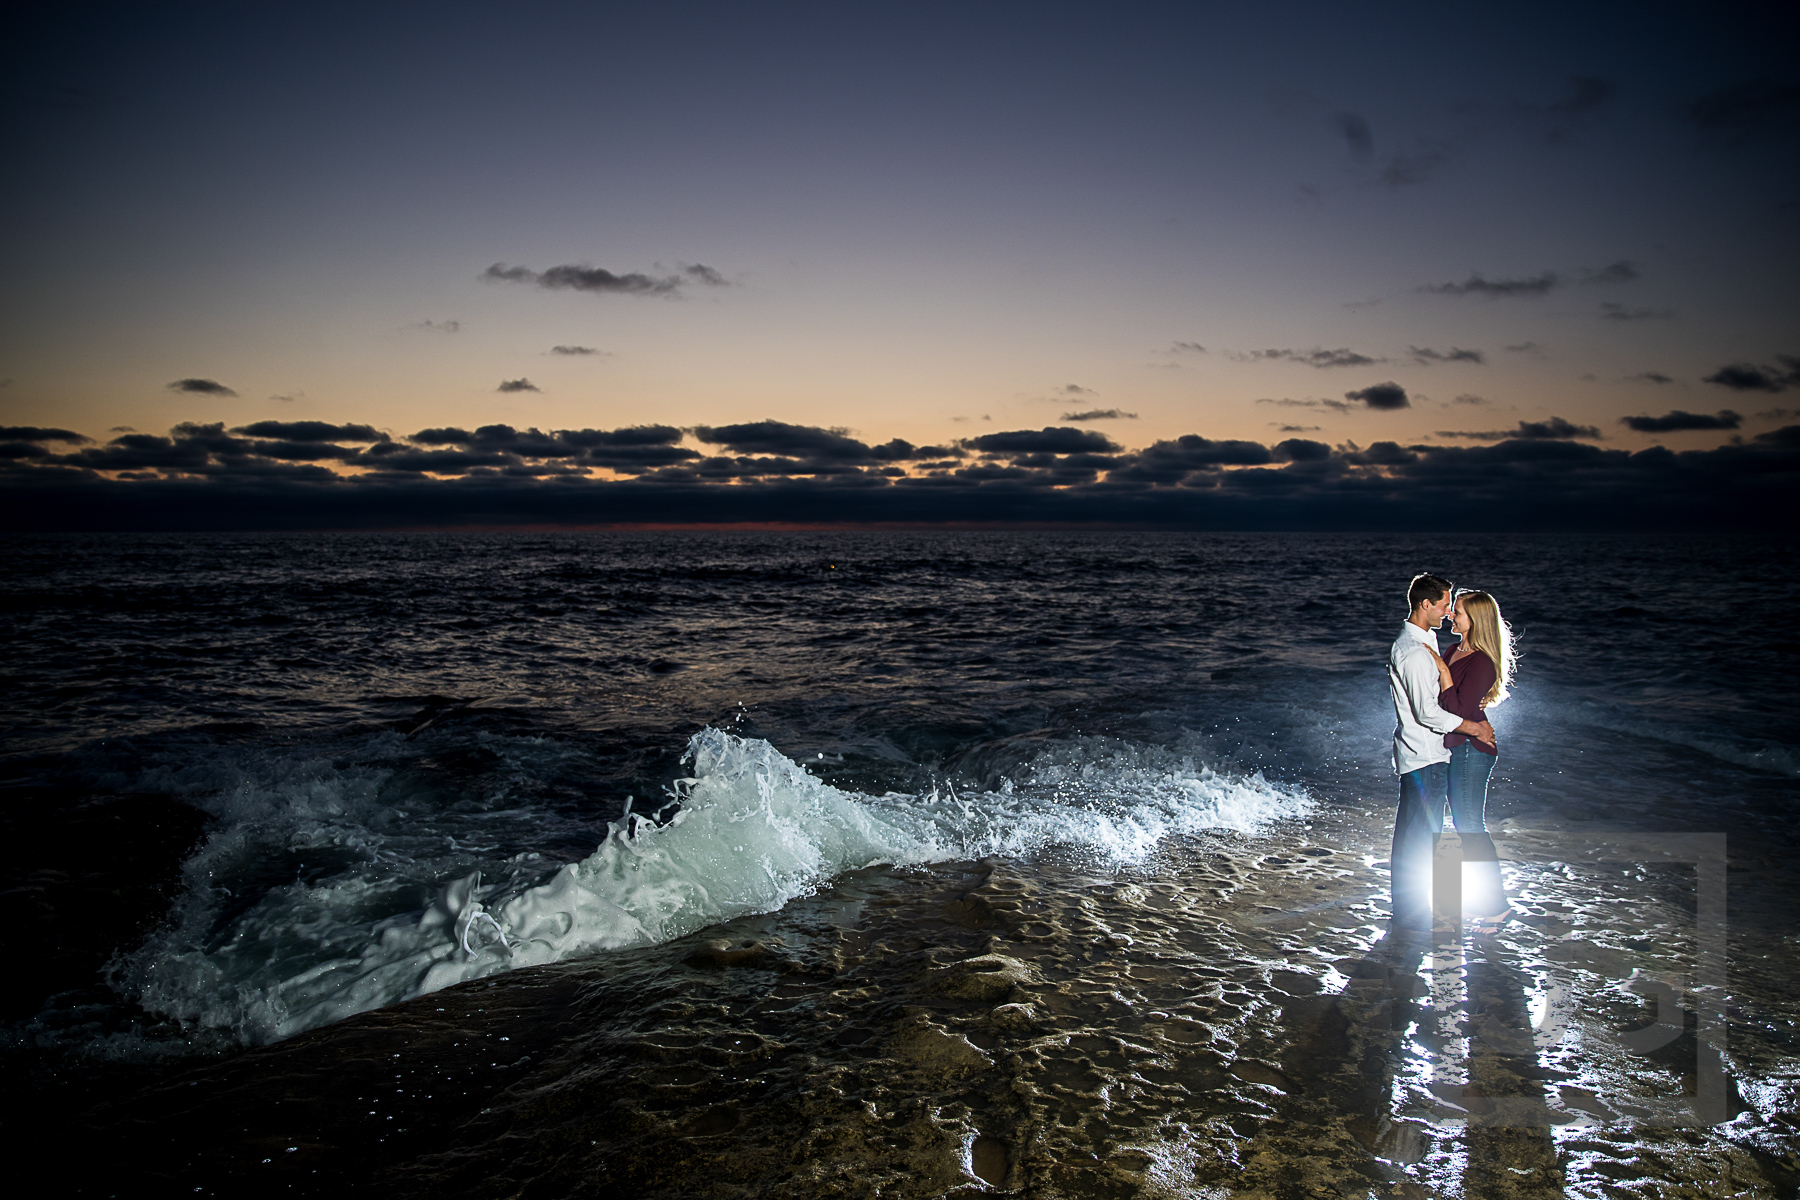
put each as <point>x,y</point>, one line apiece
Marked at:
<point>1322,359</point>
<point>1425,356</point>
<point>1180,460</point>
<point>598,279</point>
<point>205,387</point>
<point>1650,377</point>
<point>1775,414</point>
<point>575,350</point>
<point>1187,348</point>
<point>1618,312</point>
<point>1525,348</point>
<point>582,278</point>
<point>1418,166</point>
<point>1301,450</point>
<point>1471,398</point>
<point>1297,428</point>
<point>527,443</point>
<point>1048,440</point>
<point>1075,389</point>
<point>440,326</point>
<point>778,437</point>
<point>1677,420</point>
<point>36,433</point>
<point>202,477</point>
<point>630,450</point>
<point>1749,377</point>
<point>1100,414</point>
<point>392,458</point>
<point>631,435</point>
<point>776,448</point>
<point>1495,289</point>
<point>1748,111</point>
<point>701,273</point>
<point>1381,395</point>
<point>517,385</point>
<point>1381,454</point>
<point>312,431</point>
<point>1554,429</point>
<point>1619,272</point>
<point>1356,134</point>
<point>305,451</point>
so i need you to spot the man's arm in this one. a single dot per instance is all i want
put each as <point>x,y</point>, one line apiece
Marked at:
<point>1419,676</point>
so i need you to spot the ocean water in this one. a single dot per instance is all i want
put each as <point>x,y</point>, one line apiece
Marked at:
<point>264,791</point>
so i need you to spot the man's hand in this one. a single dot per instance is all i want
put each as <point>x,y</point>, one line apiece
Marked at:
<point>1480,730</point>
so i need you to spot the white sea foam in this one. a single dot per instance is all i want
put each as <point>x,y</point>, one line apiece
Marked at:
<point>754,831</point>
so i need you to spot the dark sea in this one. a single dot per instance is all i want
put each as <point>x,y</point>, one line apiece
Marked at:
<point>898,864</point>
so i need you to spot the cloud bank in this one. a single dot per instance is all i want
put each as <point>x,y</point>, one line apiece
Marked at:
<point>319,475</point>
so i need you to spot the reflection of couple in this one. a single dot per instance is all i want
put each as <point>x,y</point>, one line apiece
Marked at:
<point>1444,747</point>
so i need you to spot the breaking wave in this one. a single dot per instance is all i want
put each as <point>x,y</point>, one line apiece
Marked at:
<point>754,830</point>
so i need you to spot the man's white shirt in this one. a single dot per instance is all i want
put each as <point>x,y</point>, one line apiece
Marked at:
<point>1413,679</point>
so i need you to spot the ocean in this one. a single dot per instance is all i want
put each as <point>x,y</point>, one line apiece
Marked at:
<point>883,864</point>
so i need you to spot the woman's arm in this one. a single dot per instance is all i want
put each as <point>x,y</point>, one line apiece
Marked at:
<point>1445,680</point>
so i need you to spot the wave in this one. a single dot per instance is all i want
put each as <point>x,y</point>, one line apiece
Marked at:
<point>754,830</point>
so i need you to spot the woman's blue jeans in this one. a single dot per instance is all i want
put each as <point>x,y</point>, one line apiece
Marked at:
<point>1469,770</point>
<point>1461,786</point>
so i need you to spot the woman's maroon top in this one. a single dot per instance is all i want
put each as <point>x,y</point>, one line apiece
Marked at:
<point>1470,678</point>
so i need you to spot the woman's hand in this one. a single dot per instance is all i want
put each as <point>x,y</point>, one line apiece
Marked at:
<point>1445,683</point>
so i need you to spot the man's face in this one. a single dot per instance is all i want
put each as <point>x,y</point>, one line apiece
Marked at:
<point>1437,610</point>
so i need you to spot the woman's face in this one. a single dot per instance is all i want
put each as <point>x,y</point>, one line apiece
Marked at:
<point>1459,619</point>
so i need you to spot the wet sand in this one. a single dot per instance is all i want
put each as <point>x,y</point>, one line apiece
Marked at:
<point>1228,1019</point>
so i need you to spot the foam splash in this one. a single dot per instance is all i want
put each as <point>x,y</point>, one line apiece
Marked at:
<point>754,831</point>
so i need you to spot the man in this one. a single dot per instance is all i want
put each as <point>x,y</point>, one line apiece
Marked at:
<point>1420,758</point>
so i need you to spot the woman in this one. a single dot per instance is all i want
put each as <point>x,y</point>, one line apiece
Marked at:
<point>1477,676</point>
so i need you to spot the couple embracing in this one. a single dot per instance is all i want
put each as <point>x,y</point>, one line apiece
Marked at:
<point>1445,749</point>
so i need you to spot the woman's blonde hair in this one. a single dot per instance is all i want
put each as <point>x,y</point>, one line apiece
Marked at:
<point>1490,634</point>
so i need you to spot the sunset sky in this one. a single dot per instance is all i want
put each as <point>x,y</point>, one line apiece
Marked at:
<point>925,222</point>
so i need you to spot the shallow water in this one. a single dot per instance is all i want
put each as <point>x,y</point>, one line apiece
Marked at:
<point>1060,861</point>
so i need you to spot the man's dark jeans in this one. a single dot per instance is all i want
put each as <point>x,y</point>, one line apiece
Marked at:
<point>1424,794</point>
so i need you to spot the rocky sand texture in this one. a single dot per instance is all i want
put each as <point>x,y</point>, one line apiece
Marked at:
<point>1231,1019</point>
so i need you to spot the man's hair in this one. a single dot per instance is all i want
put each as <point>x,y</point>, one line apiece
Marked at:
<point>1425,586</point>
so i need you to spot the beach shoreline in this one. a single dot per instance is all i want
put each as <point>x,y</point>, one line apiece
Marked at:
<point>1228,1018</point>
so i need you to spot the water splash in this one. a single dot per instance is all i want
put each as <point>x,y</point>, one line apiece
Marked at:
<point>754,831</point>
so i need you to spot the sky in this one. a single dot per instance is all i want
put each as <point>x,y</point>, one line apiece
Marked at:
<point>1273,266</point>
